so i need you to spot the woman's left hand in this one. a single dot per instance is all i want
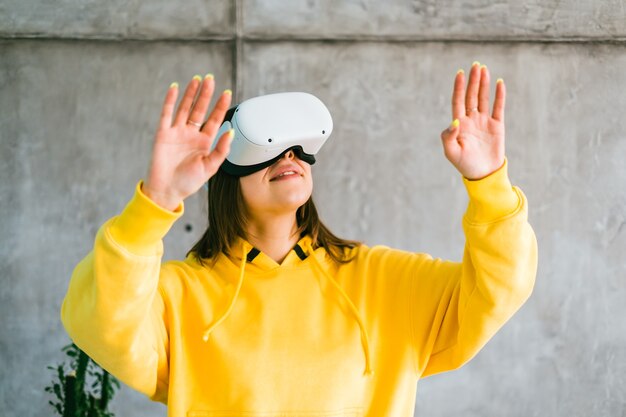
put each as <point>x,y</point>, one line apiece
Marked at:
<point>474,142</point>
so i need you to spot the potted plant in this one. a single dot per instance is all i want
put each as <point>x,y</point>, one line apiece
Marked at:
<point>82,389</point>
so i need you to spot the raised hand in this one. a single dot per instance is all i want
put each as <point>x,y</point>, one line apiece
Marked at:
<point>182,160</point>
<point>474,142</point>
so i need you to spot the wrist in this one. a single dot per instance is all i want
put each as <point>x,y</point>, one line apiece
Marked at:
<point>477,176</point>
<point>492,197</point>
<point>164,200</point>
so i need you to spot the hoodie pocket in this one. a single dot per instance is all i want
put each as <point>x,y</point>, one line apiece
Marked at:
<point>348,412</point>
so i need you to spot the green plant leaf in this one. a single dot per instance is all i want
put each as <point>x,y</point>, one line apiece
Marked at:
<point>61,373</point>
<point>57,391</point>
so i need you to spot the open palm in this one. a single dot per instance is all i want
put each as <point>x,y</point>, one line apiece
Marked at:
<point>182,159</point>
<point>474,143</point>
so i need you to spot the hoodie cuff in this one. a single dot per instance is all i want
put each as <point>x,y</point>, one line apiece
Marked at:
<point>491,198</point>
<point>143,223</point>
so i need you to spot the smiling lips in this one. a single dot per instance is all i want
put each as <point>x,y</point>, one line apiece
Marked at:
<point>286,173</point>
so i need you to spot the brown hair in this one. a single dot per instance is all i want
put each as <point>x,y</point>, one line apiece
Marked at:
<point>228,217</point>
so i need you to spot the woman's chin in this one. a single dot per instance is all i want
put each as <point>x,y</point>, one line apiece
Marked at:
<point>292,202</point>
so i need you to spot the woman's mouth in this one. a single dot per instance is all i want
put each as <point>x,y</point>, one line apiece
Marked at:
<point>284,176</point>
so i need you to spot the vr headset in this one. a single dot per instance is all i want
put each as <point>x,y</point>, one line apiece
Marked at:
<point>268,126</point>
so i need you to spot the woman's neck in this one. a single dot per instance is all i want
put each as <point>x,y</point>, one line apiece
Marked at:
<point>275,236</point>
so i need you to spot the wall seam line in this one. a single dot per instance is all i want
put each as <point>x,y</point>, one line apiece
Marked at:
<point>241,39</point>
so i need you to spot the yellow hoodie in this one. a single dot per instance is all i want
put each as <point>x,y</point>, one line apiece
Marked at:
<point>245,336</point>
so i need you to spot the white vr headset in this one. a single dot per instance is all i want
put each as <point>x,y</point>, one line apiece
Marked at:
<point>268,126</point>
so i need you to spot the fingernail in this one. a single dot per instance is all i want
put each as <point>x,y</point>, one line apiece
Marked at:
<point>460,71</point>
<point>475,63</point>
<point>174,85</point>
<point>454,124</point>
<point>229,92</point>
<point>197,77</point>
<point>209,76</point>
<point>231,135</point>
<point>500,80</point>
<point>483,66</point>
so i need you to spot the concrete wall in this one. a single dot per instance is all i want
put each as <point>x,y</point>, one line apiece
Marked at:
<point>81,87</point>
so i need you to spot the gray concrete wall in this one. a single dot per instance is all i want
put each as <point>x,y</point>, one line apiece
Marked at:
<point>81,88</point>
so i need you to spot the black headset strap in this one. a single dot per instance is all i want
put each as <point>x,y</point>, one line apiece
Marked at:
<point>243,170</point>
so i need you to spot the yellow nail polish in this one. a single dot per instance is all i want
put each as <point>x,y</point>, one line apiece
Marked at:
<point>197,77</point>
<point>455,124</point>
<point>229,92</point>
<point>460,71</point>
<point>475,63</point>
<point>483,66</point>
<point>500,80</point>
<point>209,76</point>
<point>174,85</point>
<point>231,134</point>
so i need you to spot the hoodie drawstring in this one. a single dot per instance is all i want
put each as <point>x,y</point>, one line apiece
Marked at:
<point>365,344</point>
<point>364,337</point>
<point>217,322</point>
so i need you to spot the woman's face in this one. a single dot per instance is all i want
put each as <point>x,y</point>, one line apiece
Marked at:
<point>279,188</point>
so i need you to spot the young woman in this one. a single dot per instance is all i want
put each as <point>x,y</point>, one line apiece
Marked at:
<point>271,314</point>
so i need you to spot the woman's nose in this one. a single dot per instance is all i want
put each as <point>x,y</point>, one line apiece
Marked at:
<point>289,154</point>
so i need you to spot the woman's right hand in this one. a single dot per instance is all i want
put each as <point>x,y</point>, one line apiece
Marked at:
<point>182,159</point>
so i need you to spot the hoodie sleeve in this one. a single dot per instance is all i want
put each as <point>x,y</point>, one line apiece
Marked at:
<point>455,308</point>
<point>113,309</point>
